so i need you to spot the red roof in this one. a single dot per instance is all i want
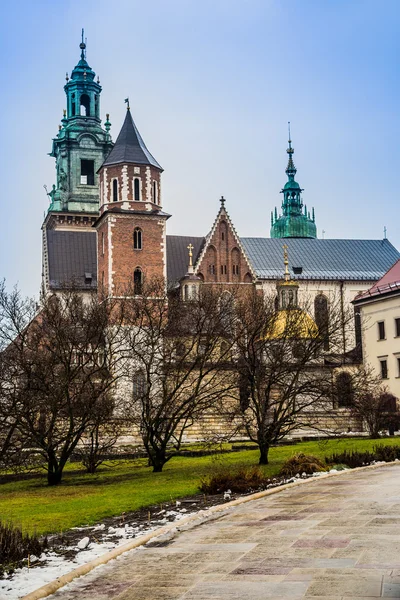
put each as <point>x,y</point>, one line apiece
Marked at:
<point>389,282</point>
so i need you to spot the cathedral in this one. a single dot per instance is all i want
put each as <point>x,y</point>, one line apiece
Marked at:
<point>106,225</point>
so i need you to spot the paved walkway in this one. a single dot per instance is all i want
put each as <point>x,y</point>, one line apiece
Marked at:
<point>331,539</point>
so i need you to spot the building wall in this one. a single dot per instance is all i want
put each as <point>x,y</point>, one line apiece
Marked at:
<point>149,178</point>
<point>384,310</point>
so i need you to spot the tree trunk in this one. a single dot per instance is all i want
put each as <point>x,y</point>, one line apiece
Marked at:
<point>158,460</point>
<point>54,476</point>
<point>264,449</point>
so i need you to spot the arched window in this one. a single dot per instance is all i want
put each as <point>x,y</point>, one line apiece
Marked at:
<point>224,231</point>
<point>136,189</point>
<point>115,190</point>
<point>137,239</point>
<point>235,254</point>
<point>155,192</point>
<point>344,390</point>
<point>321,313</point>
<point>73,105</point>
<point>139,387</point>
<point>85,105</point>
<point>137,281</point>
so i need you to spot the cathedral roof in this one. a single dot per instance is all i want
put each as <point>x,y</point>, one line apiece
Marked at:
<point>130,147</point>
<point>177,254</point>
<point>72,257</point>
<point>350,260</point>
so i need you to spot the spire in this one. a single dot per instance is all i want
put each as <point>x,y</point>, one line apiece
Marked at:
<point>130,147</point>
<point>286,262</point>
<point>290,169</point>
<point>82,46</point>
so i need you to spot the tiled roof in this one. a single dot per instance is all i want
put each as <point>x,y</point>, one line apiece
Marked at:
<point>130,147</point>
<point>72,258</point>
<point>390,282</point>
<point>322,259</point>
<point>178,255</point>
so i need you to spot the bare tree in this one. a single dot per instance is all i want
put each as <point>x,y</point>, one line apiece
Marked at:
<point>284,383</point>
<point>59,363</point>
<point>179,358</point>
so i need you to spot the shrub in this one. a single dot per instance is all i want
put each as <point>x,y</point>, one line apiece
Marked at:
<point>352,459</point>
<point>386,453</point>
<point>301,463</point>
<point>237,479</point>
<point>16,545</point>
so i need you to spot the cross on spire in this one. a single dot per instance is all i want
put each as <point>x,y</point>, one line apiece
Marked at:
<point>190,248</point>
<point>286,261</point>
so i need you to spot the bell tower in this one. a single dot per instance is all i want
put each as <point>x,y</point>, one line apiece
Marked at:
<point>131,229</point>
<point>81,144</point>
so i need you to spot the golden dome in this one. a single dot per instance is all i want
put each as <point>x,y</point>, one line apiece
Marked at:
<point>291,323</point>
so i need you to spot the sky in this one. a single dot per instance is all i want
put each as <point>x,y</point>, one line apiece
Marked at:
<point>212,85</point>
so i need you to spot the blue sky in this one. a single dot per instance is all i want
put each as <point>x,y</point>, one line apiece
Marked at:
<point>212,84</point>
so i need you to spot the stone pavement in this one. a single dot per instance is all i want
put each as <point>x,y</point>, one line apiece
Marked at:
<point>331,539</point>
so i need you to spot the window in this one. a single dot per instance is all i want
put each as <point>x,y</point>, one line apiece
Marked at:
<point>357,325</point>
<point>115,190</point>
<point>222,235</point>
<point>384,368</point>
<point>139,387</point>
<point>102,279</point>
<point>235,269</point>
<point>397,327</point>
<point>322,318</point>
<point>344,390</point>
<point>87,172</point>
<point>85,106</point>
<point>211,269</point>
<point>137,239</point>
<point>102,244</point>
<point>137,281</point>
<point>398,367</point>
<point>73,105</point>
<point>223,269</point>
<point>381,330</point>
<point>155,192</point>
<point>136,189</point>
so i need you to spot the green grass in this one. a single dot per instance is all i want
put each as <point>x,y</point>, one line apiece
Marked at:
<point>84,499</point>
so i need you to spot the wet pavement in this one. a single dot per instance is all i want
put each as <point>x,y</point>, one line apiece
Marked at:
<point>332,538</point>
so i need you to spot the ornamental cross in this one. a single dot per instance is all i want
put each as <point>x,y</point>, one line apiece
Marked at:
<point>286,261</point>
<point>190,248</point>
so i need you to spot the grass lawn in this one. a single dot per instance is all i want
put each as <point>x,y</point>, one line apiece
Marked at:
<point>84,499</point>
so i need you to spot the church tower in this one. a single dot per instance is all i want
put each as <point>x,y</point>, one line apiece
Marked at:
<point>79,149</point>
<point>295,221</point>
<point>131,229</point>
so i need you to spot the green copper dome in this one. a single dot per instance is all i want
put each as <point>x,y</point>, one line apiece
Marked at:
<point>294,221</point>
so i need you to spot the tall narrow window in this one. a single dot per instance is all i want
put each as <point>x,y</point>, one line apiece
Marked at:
<point>155,192</point>
<point>384,369</point>
<point>381,330</point>
<point>397,327</point>
<point>73,105</point>
<point>322,318</point>
<point>115,190</point>
<point>357,325</point>
<point>137,239</point>
<point>87,172</point>
<point>137,281</point>
<point>102,243</point>
<point>139,387</point>
<point>85,105</point>
<point>398,367</point>
<point>136,189</point>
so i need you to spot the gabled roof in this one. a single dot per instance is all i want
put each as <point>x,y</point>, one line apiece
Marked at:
<point>178,255</point>
<point>350,260</point>
<point>390,282</point>
<point>130,147</point>
<point>72,257</point>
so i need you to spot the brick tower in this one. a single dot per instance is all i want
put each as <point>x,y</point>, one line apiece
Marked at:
<point>131,229</point>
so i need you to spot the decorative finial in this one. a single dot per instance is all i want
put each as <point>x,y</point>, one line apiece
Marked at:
<point>290,150</point>
<point>222,200</point>
<point>82,46</point>
<point>107,124</point>
<point>84,74</point>
<point>190,248</point>
<point>384,232</point>
<point>64,113</point>
<point>286,262</point>
<point>127,102</point>
<point>98,79</point>
<point>66,77</point>
<point>59,128</point>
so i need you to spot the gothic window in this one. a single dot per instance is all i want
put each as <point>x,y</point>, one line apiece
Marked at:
<point>223,270</point>
<point>224,231</point>
<point>235,261</point>
<point>137,281</point>
<point>87,172</point>
<point>248,278</point>
<point>344,390</point>
<point>211,269</point>
<point>136,189</point>
<point>211,260</point>
<point>137,239</point>
<point>322,318</point>
<point>115,190</point>
<point>139,386</point>
<point>155,192</point>
<point>85,105</point>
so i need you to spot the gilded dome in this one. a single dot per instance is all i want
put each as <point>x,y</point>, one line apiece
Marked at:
<point>291,323</point>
